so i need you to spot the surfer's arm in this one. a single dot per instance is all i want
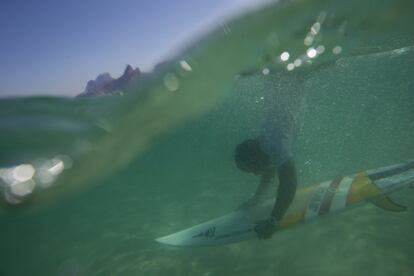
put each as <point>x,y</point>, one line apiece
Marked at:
<point>261,189</point>
<point>286,190</point>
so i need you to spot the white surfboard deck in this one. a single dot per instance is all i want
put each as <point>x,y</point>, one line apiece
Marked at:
<point>325,197</point>
<point>233,227</point>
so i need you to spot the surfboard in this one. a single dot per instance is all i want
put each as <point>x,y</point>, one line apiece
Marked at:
<point>310,202</point>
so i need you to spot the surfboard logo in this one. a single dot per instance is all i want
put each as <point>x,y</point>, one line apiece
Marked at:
<point>208,234</point>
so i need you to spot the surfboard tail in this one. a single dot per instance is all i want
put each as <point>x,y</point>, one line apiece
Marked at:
<point>367,186</point>
<point>391,178</point>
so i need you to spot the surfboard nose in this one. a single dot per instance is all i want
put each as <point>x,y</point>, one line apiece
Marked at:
<point>165,240</point>
<point>172,240</point>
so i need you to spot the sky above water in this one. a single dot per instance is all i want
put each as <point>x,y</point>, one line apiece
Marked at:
<point>53,47</point>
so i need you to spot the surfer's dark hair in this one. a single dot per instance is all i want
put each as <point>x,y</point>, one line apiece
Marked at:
<point>250,157</point>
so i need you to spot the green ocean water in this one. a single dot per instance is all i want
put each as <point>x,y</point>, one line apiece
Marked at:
<point>160,158</point>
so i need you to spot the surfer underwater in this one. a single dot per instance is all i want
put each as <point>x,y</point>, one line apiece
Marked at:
<point>250,157</point>
<point>270,152</point>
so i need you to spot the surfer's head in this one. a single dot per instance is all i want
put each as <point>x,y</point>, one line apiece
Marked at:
<point>249,157</point>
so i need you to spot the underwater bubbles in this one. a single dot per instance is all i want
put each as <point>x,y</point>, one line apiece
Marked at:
<point>320,49</point>
<point>57,167</point>
<point>22,189</point>
<point>337,50</point>
<point>265,71</point>
<point>297,62</point>
<point>23,172</point>
<point>284,56</point>
<point>18,182</point>
<point>171,82</point>
<point>316,27</point>
<point>308,40</point>
<point>49,169</point>
<point>311,52</point>
<point>185,66</point>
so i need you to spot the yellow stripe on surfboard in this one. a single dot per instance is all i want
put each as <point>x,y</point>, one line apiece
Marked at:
<point>362,189</point>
